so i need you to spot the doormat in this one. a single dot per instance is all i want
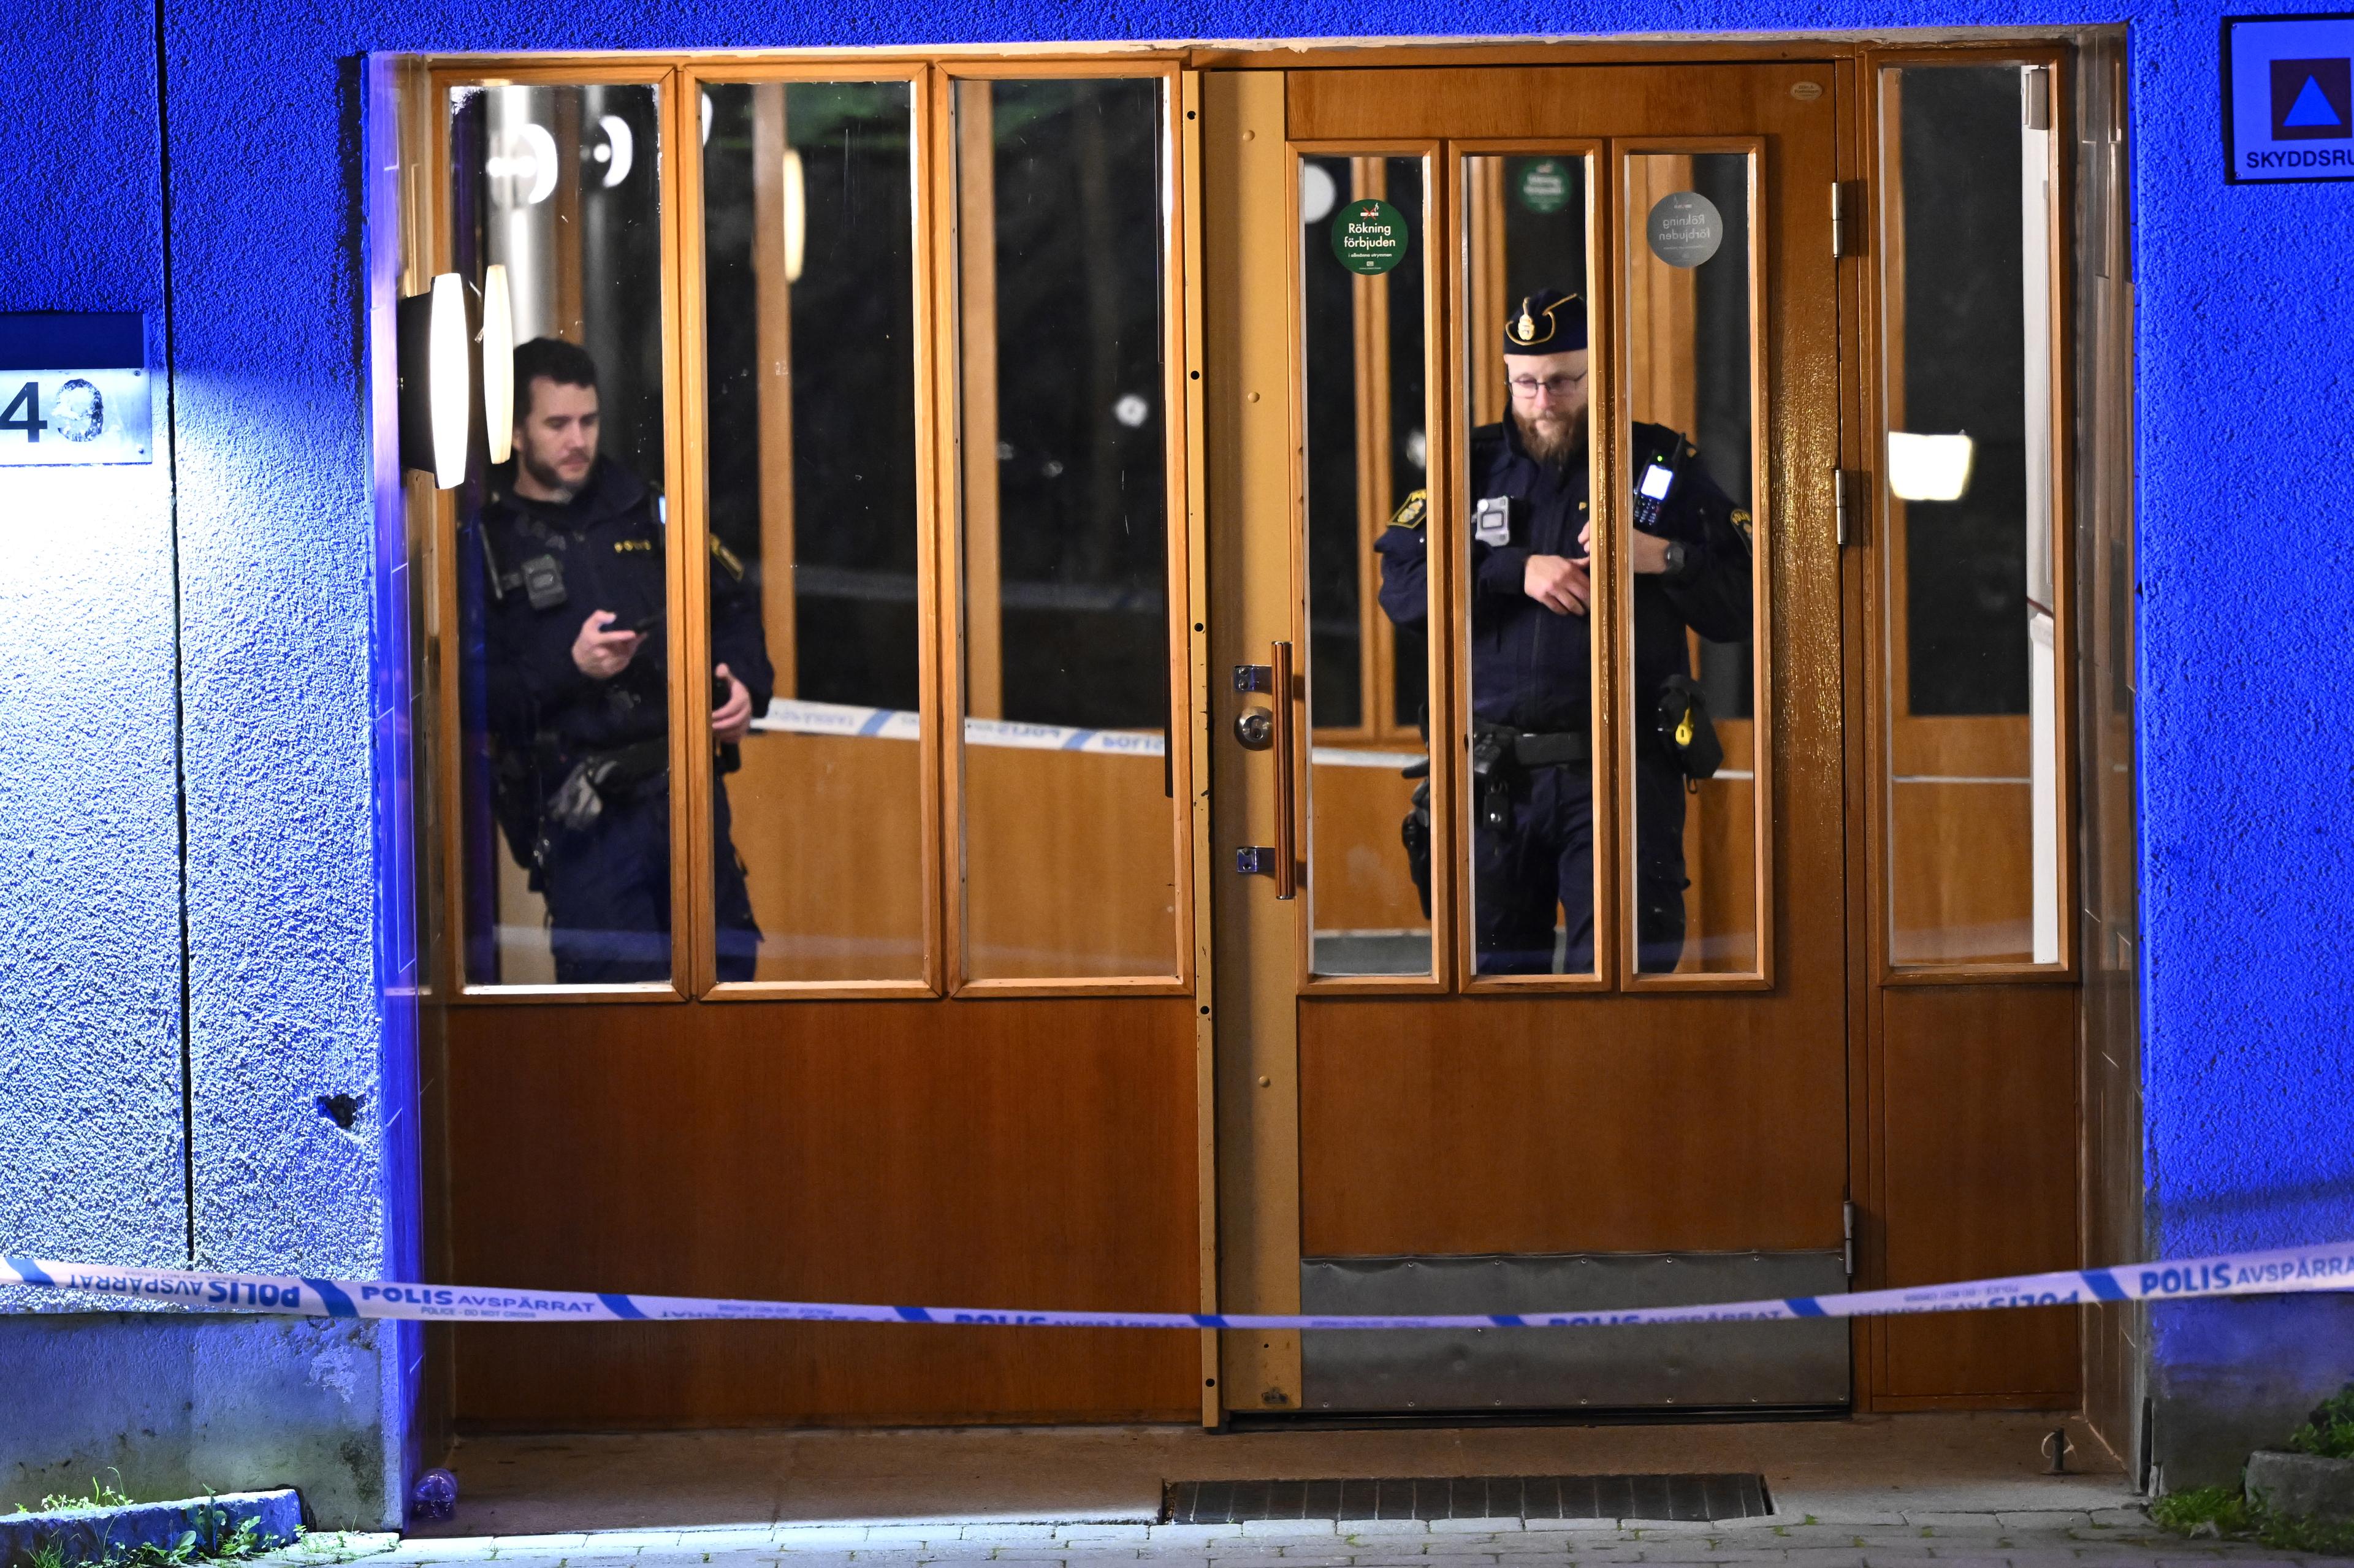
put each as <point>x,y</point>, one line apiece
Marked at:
<point>1684,1499</point>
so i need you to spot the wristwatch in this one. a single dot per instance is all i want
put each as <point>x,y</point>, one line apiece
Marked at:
<point>1673,566</point>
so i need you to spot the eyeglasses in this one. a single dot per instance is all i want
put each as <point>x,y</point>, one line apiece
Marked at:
<point>1551,385</point>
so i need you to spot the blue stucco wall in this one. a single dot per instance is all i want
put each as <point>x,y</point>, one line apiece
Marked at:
<point>280,966</point>
<point>295,897</point>
<point>90,856</point>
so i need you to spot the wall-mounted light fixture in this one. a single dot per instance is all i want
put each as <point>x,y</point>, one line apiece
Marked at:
<point>1318,192</point>
<point>796,206</point>
<point>618,149</point>
<point>498,364</point>
<point>524,157</point>
<point>1929,468</point>
<point>436,381</point>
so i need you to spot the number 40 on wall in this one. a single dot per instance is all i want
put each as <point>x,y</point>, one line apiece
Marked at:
<point>73,417</point>
<point>52,412</point>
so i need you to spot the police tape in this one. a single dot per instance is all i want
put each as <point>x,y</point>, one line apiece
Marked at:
<point>2283,1270</point>
<point>788,715</point>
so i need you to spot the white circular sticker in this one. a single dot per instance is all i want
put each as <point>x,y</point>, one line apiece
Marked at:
<point>1685,229</point>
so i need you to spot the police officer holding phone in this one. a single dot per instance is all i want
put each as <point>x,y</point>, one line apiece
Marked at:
<point>1531,650</point>
<point>577,684</point>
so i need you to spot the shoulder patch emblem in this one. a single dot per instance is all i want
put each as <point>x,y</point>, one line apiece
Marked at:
<point>726,557</point>
<point>1410,511</point>
<point>1741,521</point>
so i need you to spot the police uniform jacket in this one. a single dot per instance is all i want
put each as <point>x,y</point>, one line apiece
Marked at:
<point>1530,668</point>
<point>606,549</point>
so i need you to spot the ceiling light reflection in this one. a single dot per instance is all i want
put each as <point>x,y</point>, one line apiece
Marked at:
<point>1929,468</point>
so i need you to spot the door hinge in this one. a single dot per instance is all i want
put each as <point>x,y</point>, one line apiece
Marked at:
<point>1839,506</point>
<point>1847,1232</point>
<point>2035,98</point>
<point>1847,218</point>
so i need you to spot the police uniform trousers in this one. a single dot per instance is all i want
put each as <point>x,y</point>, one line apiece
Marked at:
<point>608,890</point>
<point>1543,861</point>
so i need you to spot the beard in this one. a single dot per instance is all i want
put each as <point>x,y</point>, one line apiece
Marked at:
<point>1551,438</point>
<point>546,474</point>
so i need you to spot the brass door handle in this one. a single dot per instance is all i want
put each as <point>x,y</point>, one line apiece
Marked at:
<point>1270,729</point>
<point>1287,857</point>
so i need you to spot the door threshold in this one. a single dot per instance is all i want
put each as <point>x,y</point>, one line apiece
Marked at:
<point>1420,1420</point>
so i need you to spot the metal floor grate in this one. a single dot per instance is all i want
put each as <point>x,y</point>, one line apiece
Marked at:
<point>1692,1499</point>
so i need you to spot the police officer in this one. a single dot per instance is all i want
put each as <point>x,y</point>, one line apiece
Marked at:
<point>575,657</point>
<point>1531,650</point>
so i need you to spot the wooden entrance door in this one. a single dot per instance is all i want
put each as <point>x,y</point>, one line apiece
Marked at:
<point>1415,1111</point>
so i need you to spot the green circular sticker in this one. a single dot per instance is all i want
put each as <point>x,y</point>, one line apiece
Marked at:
<point>1369,236</point>
<point>1544,185</point>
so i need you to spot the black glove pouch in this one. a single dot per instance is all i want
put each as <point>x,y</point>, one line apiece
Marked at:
<point>1685,728</point>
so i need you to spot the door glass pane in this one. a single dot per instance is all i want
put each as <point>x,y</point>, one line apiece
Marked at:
<point>564,780</point>
<point>1069,825</point>
<point>1686,561</point>
<point>1974,790</point>
<point>1531,649</point>
<point>809,235</point>
<point>1368,604</point>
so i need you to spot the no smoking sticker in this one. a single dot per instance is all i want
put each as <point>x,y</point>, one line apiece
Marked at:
<point>1544,185</point>
<point>1369,237</point>
<point>1685,229</point>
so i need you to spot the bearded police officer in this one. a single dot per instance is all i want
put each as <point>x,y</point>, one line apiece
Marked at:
<point>577,684</point>
<point>1531,650</point>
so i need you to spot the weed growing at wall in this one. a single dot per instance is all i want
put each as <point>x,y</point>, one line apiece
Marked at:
<point>2330,1431</point>
<point>2229,1513</point>
<point>101,1496</point>
<point>2225,1513</point>
<point>216,1540</point>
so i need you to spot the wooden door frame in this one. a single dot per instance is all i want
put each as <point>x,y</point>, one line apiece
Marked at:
<point>1209,420</point>
<point>1260,1089</point>
<point>1271,1070</point>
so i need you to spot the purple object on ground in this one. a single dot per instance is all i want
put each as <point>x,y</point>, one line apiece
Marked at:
<point>435,1495</point>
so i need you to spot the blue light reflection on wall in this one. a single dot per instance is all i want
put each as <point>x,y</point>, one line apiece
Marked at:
<point>89,869</point>
<point>90,1138</point>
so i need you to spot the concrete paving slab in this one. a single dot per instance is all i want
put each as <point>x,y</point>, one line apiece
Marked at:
<point>1864,1466</point>
<point>1930,1492</point>
<point>1454,1547</point>
<point>326,1547</point>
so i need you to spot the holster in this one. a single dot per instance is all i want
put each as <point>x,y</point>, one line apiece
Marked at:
<point>604,778</point>
<point>1500,755</point>
<point>1415,832</point>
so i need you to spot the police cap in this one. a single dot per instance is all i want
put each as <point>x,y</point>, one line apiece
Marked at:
<point>1547,322</point>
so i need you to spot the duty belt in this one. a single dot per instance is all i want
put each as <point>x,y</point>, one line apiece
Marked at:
<point>1529,749</point>
<point>1548,750</point>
